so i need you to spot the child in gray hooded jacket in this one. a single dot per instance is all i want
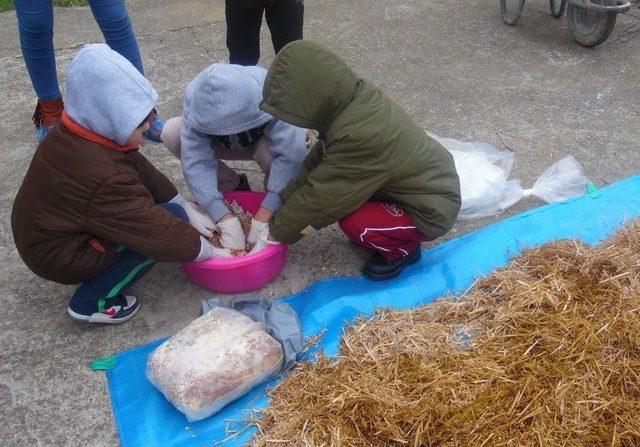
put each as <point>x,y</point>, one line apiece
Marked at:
<point>221,121</point>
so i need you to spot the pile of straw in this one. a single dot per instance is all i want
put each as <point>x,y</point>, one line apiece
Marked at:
<point>545,352</point>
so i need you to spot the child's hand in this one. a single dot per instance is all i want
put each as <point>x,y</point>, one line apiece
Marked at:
<point>257,228</point>
<point>231,234</point>
<point>208,251</point>
<point>265,240</point>
<point>199,219</point>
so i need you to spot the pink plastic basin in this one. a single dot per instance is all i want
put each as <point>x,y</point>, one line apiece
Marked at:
<point>243,273</point>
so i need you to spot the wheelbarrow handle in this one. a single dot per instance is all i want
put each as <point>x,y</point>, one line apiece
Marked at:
<point>620,7</point>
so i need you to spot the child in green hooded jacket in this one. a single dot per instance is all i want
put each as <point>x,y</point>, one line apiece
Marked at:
<point>374,170</point>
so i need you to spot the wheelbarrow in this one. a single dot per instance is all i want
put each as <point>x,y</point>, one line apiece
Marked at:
<point>590,21</point>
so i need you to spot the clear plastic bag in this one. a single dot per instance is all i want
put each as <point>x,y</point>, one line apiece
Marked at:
<point>213,361</point>
<point>484,179</point>
<point>561,181</point>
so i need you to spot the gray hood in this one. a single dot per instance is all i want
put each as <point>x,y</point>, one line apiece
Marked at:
<point>106,94</point>
<point>223,100</point>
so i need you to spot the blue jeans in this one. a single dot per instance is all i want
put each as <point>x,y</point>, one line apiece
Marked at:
<point>126,268</point>
<point>35,23</point>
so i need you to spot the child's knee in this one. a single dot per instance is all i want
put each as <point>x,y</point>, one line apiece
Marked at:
<point>170,135</point>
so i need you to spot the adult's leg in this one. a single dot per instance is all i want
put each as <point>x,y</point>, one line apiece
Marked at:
<point>113,19</point>
<point>35,26</point>
<point>385,228</point>
<point>102,299</point>
<point>244,18</point>
<point>286,20</point>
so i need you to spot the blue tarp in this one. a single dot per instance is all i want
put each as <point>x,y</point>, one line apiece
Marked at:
<point>145,418</point>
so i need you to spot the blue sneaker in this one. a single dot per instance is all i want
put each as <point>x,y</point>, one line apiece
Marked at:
<point>42,131</point>
<point>117,310</point>
<point>155,130</point>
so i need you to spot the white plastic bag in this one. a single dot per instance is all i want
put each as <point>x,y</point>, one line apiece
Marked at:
<point>561,181</point>
<point>213,361</point>
<point>484,179</point>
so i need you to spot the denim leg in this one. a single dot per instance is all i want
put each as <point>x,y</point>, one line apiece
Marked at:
<point>113,19</point>
<point>35,26</point>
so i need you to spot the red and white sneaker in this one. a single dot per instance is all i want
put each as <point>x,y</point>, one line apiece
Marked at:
<point>121,310</point>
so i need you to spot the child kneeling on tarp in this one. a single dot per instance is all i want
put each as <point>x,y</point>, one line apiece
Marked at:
<point>92,209</point>
<point>374,170</point>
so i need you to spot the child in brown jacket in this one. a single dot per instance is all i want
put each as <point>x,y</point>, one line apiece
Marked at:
<point>92,209</point>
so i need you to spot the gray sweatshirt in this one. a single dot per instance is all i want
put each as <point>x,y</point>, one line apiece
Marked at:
<point>111,99</point>
<point>222,101</point>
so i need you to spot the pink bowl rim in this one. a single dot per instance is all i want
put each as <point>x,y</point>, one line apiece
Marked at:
<point>240,261</point>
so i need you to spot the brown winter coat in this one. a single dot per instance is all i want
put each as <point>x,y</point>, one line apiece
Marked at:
<point>82,197</point>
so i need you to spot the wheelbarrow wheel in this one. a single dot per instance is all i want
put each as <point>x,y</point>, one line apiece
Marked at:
<point>506,11</point>
<point>590,28</point>
<point>557,7</point>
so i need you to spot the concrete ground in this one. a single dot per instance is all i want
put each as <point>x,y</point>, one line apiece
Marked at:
<point>452,64</point>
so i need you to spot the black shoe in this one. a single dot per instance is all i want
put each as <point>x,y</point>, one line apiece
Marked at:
<point>244,183</point>
<point>379,268</point>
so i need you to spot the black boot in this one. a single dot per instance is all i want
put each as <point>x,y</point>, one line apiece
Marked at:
<point>379,268</point>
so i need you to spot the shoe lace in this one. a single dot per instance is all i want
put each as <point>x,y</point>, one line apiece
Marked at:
<point>38,116</point>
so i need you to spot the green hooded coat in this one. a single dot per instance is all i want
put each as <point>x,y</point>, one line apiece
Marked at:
<point>369,148</point>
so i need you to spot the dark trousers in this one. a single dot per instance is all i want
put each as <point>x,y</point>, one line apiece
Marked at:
<point>127,268</point>
<point>244,18</point>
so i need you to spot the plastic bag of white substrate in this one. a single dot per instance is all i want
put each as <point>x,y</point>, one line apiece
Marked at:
<point>213,361</point>
<point>484,179</point>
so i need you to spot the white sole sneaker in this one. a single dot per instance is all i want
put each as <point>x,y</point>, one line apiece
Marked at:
<point>104,318</point>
